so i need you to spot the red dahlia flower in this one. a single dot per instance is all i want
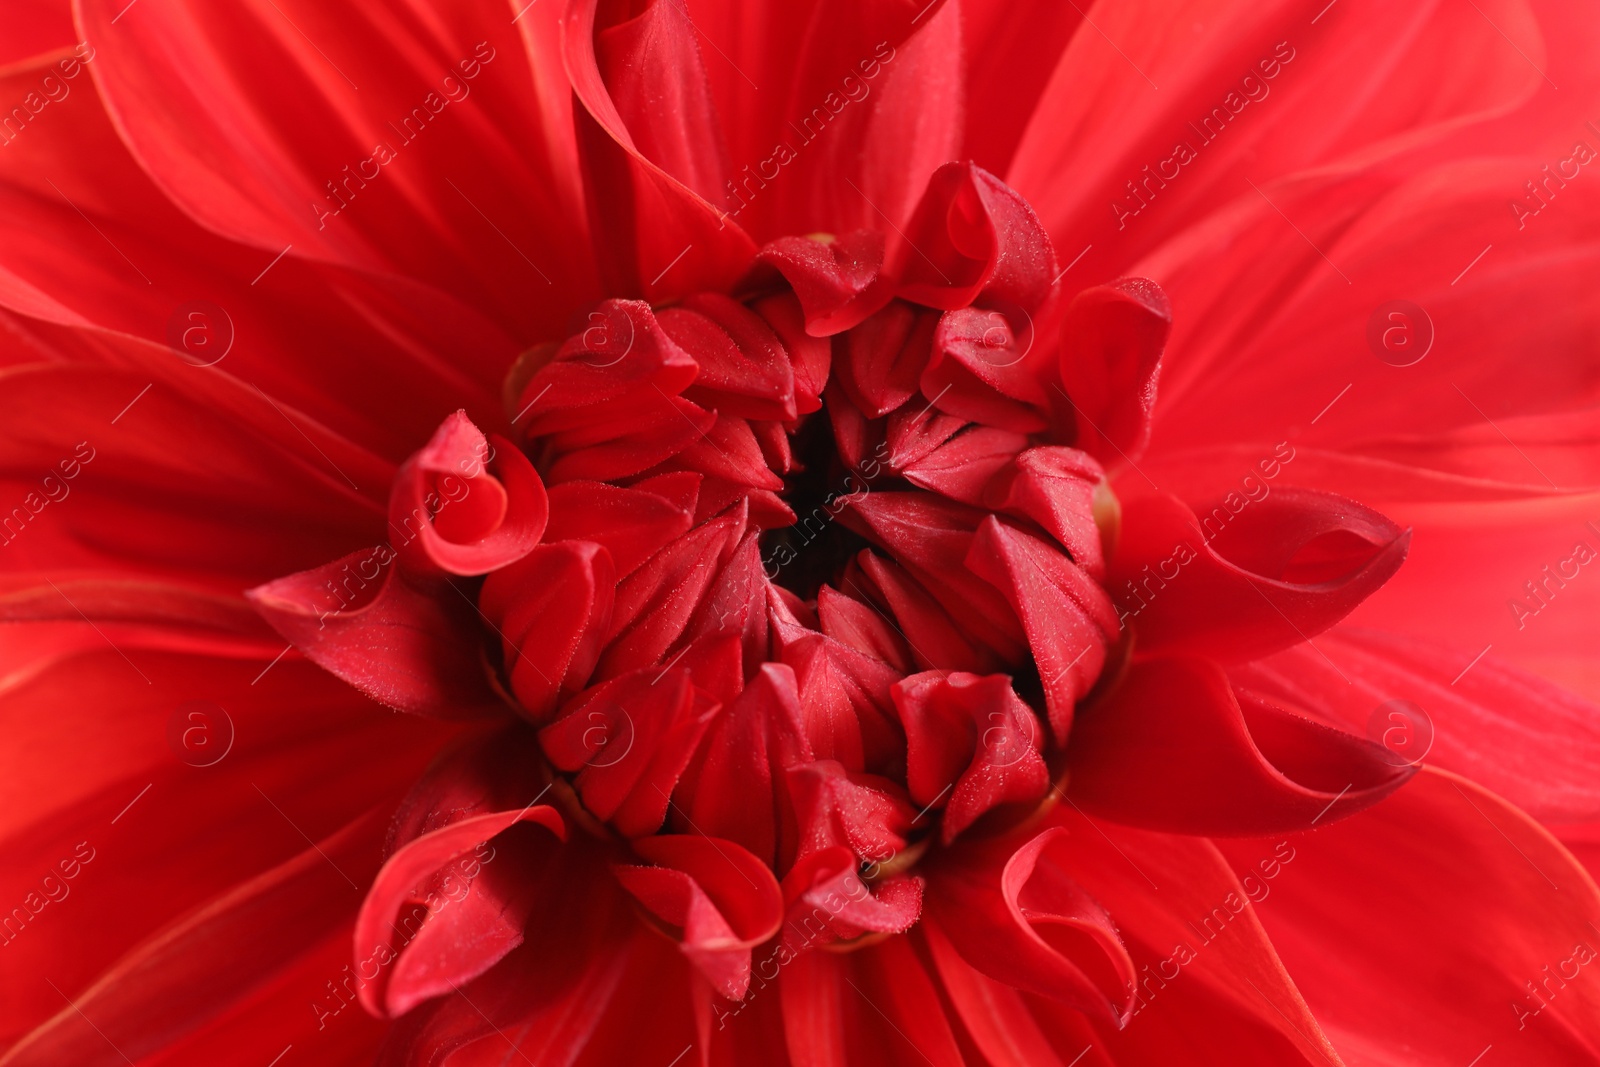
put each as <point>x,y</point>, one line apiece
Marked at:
<point>801,534</point>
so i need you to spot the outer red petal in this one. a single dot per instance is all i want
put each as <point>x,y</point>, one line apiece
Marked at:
<point>997,916</point>
<point>1176,748</point>
<point>1253,575</point>
<point>1359,931</point>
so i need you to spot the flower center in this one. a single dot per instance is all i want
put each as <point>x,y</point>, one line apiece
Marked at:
<point>817,578</point>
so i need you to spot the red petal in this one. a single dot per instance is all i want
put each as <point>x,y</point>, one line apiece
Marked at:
<point>628,741</point>
<point>722,899</point>
<point>932,635</point>
<point>211,128</point>
<point>631,524</point>
<point>557,985</point>
<point>963,468</point>
<point>655,235</point>
<point>415,649</point>
<point>972,235</point>
<point>881,361</point>
<point>861,627</point>
<point>622,360</point>
<point>844,699</point>
<point>1068,618</point>
<point>977,371</point>
<point>836,807</point>
<point>1205,963</point>
<point>997,915</point>
<point>744,370</point>
<point>1174,748</point>
<point>972,738</point>
<point>1254,575</point>
<point>1056,488</point>
<point>653,71</point>
<point>932,538</point>
<point>1111,343</point>
<point>1529,741</point>
<point>552,611</point>
<point>810,357</point>
<point>1369,919</point>
<point>449,514</point>
<point>655,603</point>
<point>736,788</point>
<point>837,280</point>
<point>828,901</point>
<point>461,936</point>
<point>227,948</point>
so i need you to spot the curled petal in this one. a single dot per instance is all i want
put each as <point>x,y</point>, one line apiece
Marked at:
<point>1175,748</point>
<point>1056,488</point>
<point>973,235</point>
<point>880,362</point>
<point>736,787</point>
<point>719,900</point>
<point>627,742</point>
<point>622,360</point>
<point>460,506</point>
<point>652,68</point>
<point>973,739</point>
<point>474,908</point>
<point>1069,620</point>
<point>1249,577</point>
<point>744,369</point>
<point>579,943</point>
<point>827,900</point>
<point>1512,732</point>
<point>551,609</point>
<point>648,140</point>
<point>869,815</point>
<point>413,648</point>
<point>632,524</point>
<point>839,281</point>
<point>1021,920</point>
<point>480,774</point>
<point>977,371</point>
<point>1111,343</point>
